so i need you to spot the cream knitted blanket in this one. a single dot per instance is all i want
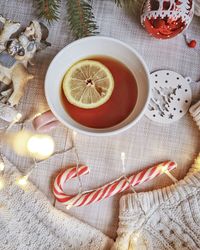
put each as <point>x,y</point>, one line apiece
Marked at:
<point>28,221</point>
<point>168,218</point>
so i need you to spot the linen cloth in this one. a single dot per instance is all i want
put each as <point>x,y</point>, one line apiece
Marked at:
<point>144,144</point>
<point>28,221</point>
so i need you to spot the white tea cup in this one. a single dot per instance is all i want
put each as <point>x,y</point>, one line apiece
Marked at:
<point>98,46</point>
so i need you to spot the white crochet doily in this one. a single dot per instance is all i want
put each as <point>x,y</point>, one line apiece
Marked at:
<point>170,97</point>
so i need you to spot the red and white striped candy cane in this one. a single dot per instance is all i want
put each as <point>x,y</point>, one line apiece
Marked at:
<point>107,190</point>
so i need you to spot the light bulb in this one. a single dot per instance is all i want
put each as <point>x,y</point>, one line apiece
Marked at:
<point>22,181</point>
<point>2,166</point>
<point>18,117</point>
<point>33,144</point>
<point>74,134</point>
<point>68,207</point>
<point>2,184</point>
<point>164,169</point>
<point>40,146</point>
<point>197,161</point>
<point>25,143</point>
<point>123,156</point>
<point>15,120</point>
<point>136,236</point>
<point>38,114</point>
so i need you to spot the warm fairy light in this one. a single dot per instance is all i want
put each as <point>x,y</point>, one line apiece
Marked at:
<point>33,144</point>
<point>68,207</point>
<point>74,134</point>
<point>123,157</point>
<point>197,161</point>
<point>2,184</point>
<point>23,180</point>
<point>2,166</point>
<point>42,146</point>
<point>135,236</point>
<point>25,143</point>
<point>18,117</point>
<point>164,169</point>
<point>15,120</point>
<point>38,114</point>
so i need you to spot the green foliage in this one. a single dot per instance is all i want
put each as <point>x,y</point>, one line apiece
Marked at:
<point>48,9</point>
<point>81,18</point>
<point>79,13</point>
<point>130,5</point>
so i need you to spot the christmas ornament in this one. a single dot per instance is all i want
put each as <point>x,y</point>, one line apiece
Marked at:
<point>195,113</point>
<point>170,97</point>
<point>192,44</point>
<point>165,19</point>
<point>108,190</point>
<point>15,54</point>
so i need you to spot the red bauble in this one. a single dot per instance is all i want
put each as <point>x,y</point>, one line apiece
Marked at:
<point>165,19</point>
<point>192,44</point>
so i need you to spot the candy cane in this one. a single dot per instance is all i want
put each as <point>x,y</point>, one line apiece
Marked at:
<point>107,190</point>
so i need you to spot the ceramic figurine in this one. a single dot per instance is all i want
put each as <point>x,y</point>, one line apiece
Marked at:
<point>15,55</point>
<point>7,28</point>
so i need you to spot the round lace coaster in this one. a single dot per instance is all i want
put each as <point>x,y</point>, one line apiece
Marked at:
<point>170,98</point>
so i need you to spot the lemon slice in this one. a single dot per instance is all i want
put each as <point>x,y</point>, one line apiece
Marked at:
<point>88,84</point>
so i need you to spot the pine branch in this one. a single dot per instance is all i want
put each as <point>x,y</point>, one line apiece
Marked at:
<point>48,9</point>
<point>81,18</point>
<point>133,6</point>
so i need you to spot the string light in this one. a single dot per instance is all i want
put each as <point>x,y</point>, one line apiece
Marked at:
<point>15,120</point>
<point>135,236</point>
<point>2,166</point>
<point>197,161</point>
<point>196,164</point>
<point>166,171</point>
<point>68,207</point>
<point>74,134</point>
<point>41,146</point>
<point>36,115</point>
<point>123,157</point>
<point>73,138</point>
<point>25,143</point>
<point>22,181</point>
<point>2,184</point>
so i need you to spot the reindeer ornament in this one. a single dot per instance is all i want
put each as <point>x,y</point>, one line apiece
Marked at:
<point>15,55</point>
<point>164,19</point>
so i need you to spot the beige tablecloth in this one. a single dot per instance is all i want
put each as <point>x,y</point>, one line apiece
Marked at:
<point>146,143</point>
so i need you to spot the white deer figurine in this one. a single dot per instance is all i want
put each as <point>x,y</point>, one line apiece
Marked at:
<point>16,53</point>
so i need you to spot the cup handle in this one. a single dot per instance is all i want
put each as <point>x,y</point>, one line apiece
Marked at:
<point>45,122</point>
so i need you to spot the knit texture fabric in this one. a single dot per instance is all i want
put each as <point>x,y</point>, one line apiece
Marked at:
<point>28,221</point>
<point>168,218</point>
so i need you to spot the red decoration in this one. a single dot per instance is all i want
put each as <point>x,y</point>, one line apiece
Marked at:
<point>192,44</point>
<point>107,190</point>
<point>165,19</point>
